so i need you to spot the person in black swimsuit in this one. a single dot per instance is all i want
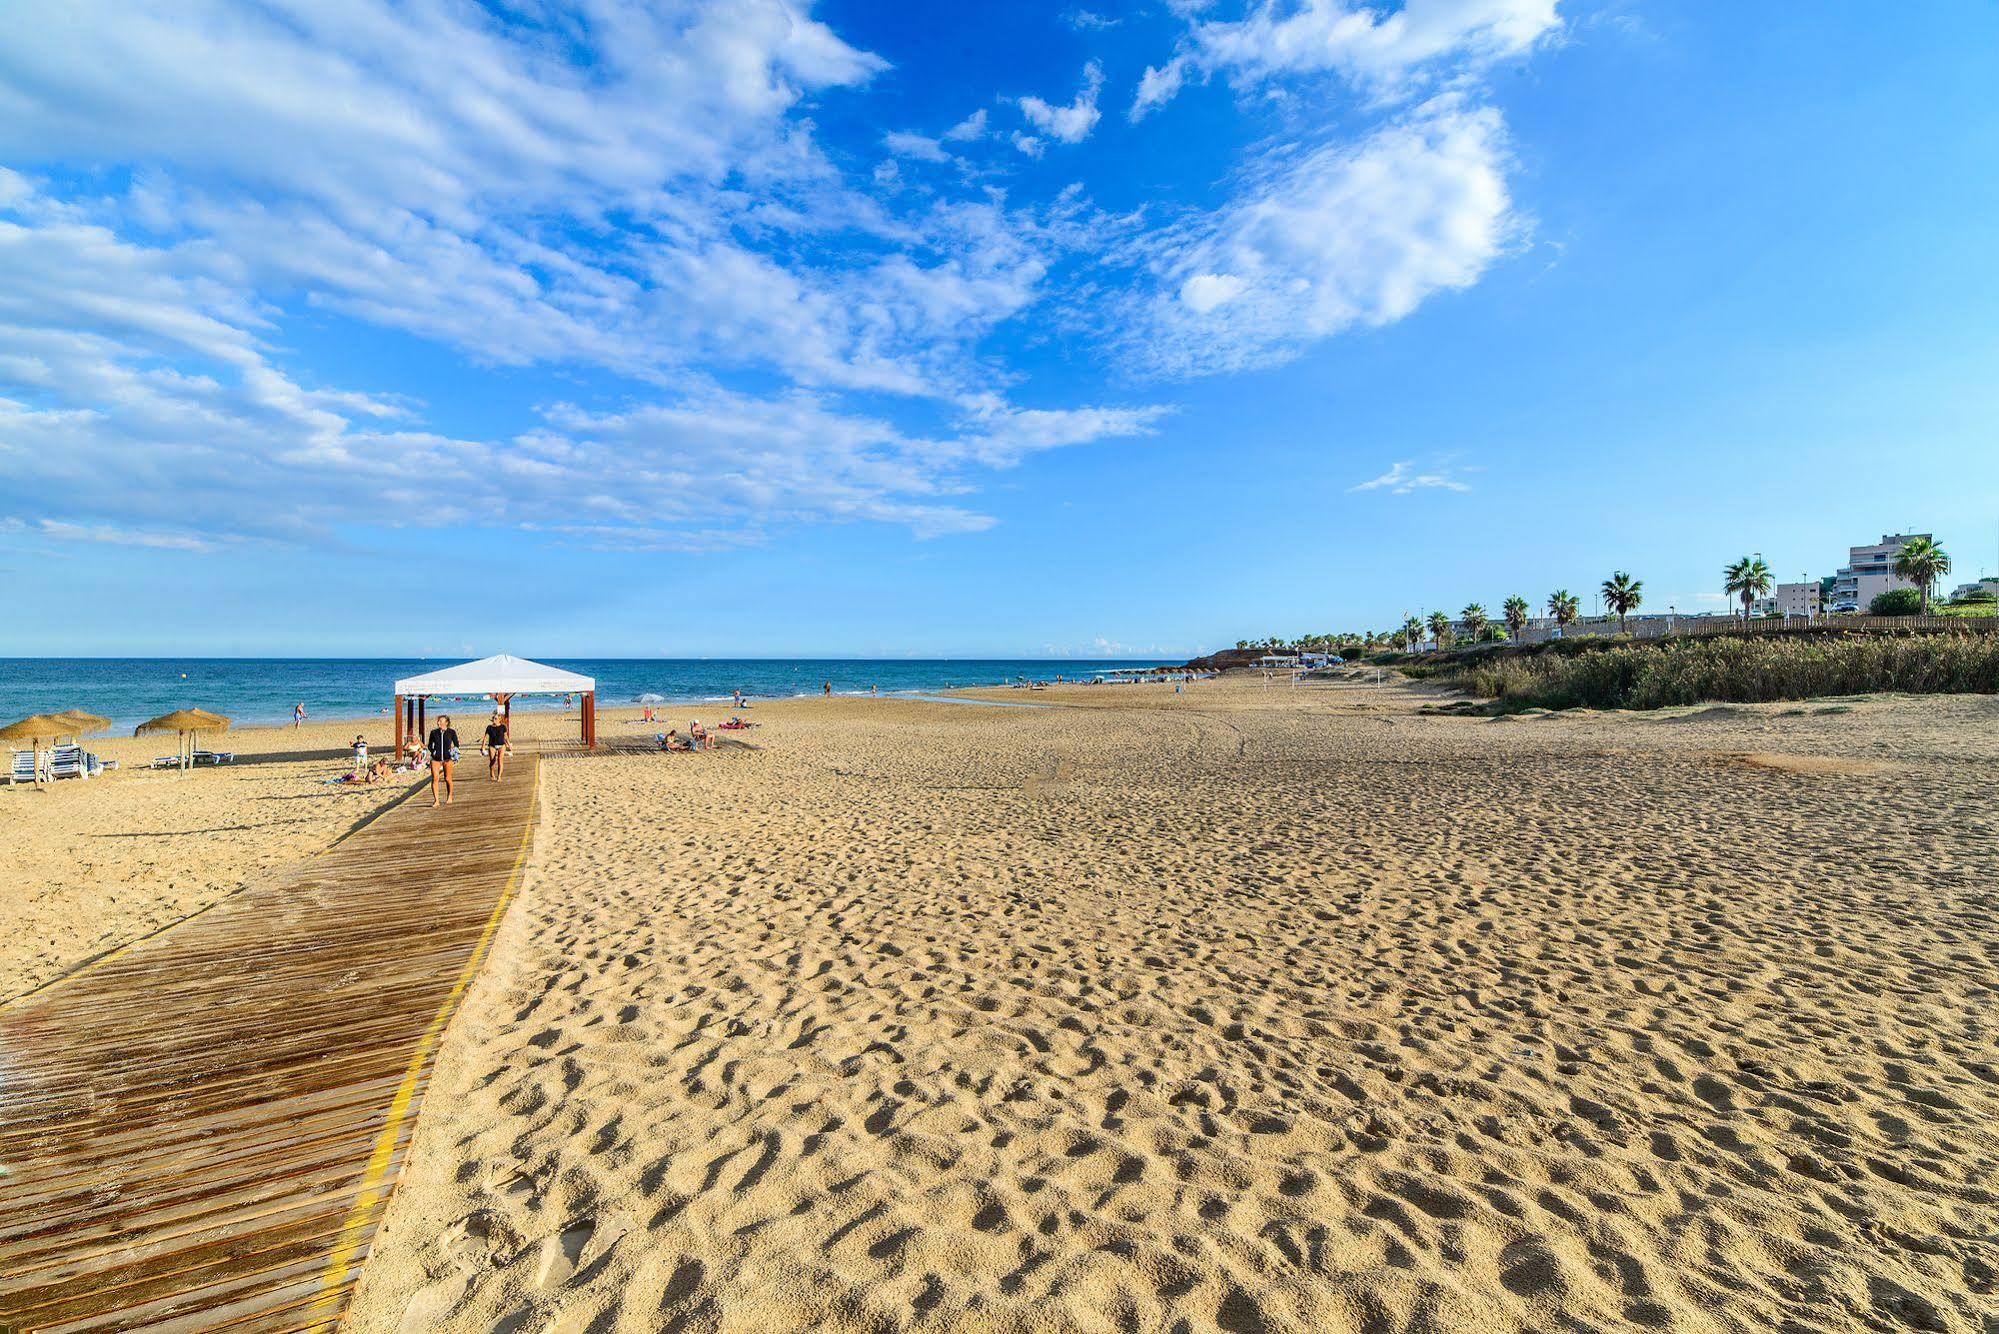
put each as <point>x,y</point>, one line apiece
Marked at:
<point>443,748</point>
<point>496,747</point>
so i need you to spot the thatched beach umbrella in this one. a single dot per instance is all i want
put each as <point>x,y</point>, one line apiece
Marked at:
<point>34,729</point>
<point>84,721</point>
<point>190,723</point>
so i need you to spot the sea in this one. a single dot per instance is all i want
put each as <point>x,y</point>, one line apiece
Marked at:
<point>254,691</point>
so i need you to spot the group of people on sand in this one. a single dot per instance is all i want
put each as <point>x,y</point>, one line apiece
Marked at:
<point>699,737</point>
<point>439,751</point>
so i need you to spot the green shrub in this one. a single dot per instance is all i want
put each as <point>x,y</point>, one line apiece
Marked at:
<point>1736,671</point>
<point>1896,602</point>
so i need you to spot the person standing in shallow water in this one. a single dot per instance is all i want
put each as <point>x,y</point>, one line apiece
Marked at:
<point>826,689</point>
<point>443,748</point>
<point>298,715</point>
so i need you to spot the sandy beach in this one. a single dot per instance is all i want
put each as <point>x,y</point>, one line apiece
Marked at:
<point>1250,1008</point>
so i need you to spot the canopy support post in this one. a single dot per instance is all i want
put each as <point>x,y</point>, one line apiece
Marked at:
<point>399,729</point>
<point>590,719</point>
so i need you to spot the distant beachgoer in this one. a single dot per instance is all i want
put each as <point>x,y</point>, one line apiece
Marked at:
<point>698,736</point>
<point>826,689</point>
<point>360,749</point>
<point>875,691</point>
<point>496,747</point>
<point>739,698</point>
<point>298,715</point>
<point>443,747</point>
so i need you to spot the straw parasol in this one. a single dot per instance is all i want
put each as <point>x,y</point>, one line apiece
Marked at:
<point>82,721</point>
<point>190,723</point>
<point>34,729</point>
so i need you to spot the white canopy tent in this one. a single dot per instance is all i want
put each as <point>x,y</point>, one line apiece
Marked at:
<point>500,677</point>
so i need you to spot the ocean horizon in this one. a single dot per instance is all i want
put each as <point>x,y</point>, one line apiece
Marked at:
<point>262,691</point>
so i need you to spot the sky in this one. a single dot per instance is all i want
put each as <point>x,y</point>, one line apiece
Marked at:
<point>768,328</point>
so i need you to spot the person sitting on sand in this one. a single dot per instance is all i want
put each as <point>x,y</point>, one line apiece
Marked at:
<point>674,741</point>
<point>698,735</point>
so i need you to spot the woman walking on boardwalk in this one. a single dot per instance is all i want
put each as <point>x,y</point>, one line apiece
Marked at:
<point>443,748</point>
<point>496,746</point>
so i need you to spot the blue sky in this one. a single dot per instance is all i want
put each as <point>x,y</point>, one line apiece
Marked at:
<point>756,328</point>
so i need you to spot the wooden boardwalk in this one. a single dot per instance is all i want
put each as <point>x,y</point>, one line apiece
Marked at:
<point>201,1131</point>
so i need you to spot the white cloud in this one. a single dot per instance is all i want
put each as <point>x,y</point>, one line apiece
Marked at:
<point>1069,124</point>
<point>62,530</point>
<point>141,406</point>
<point>970,128</point>
<point>1387,52</point>
<point>903,143</point>
<point>443,171</point>
<point>1206,291</point>
<point>1158,86</point>
<point>1320,240</point>
<point>1402,479</point>
<point>1028,144</point>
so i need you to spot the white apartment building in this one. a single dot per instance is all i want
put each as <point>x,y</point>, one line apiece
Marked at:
<point>1869,572</point>
<point>1790,600</point>
<point>1990,583</point>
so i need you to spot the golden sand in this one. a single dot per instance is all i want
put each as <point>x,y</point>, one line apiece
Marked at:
<point>1247,1009</point>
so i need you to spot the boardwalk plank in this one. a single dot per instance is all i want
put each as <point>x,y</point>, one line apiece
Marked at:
<point>202,1131</point>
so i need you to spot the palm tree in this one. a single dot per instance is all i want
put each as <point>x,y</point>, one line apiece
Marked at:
<point>1514,609</point>
<point>1412,630</point>
<point>1922,562</point>
<point>1475,620</point>
<point>1440,628</point>
<point>1563,606</point>
<point>1621,595</point>
<point>1748,579</point>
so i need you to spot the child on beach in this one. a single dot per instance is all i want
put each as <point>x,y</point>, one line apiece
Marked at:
<point>360,749</point>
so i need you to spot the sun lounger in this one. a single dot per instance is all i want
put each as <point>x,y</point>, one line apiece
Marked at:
<point>215,757</point>
<point>21,768</point>
<point>68,762</point>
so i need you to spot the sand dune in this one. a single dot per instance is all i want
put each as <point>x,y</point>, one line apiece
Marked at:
<point>1250,1009</point>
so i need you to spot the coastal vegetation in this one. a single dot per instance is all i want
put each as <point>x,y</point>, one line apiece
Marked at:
<point>1662,673</point>
<point>1922,562</point>
<point>1622,595</point>
<point>1748,581</point>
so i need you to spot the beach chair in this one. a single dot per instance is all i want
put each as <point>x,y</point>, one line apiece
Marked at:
<point>215,757</point>
<point>21,768</point>
<point>67,762</point>
<point>166,761</point>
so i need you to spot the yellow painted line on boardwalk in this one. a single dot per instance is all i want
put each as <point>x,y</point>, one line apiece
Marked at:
<point>374,1183</point>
